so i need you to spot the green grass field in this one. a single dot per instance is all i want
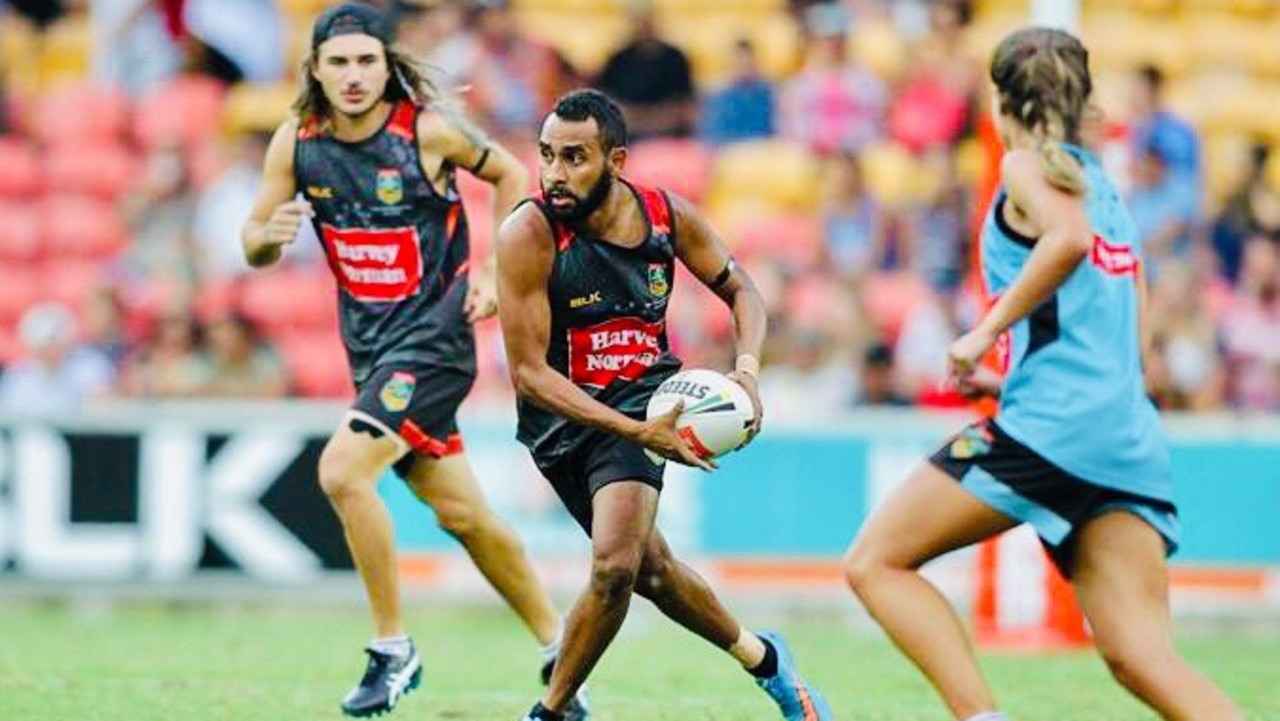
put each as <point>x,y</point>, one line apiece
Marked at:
<point>199,662</point>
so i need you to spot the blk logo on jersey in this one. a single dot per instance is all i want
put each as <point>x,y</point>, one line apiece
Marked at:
<point>658,285</point>
<point>583,301</point>
<point>390,186</point>
<point>397,391</point>
<point>618,349</point>
<point>380,265</point>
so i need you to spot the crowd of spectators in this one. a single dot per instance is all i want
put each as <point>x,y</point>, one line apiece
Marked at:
<point>864,319</point>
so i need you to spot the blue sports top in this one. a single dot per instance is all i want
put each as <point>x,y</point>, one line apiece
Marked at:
<point>1074,390</point>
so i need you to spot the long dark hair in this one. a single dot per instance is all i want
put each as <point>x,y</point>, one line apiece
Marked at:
<point>424,85</point>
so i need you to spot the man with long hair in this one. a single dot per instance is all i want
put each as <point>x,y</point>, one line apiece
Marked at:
<point>370,160</point>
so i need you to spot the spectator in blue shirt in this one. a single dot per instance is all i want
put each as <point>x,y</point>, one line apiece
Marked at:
<point>1156,126</point>
<point>1164,207</point>
<point>744,108</point>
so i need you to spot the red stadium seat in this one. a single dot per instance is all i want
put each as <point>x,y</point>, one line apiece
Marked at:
<point>183,112</point>
<point>21,173</point>
<point>481,236</point>
<point>793,239</point>
<point>69,282</point>
<point>477,199</point>
<point>681,166</point>
<point>10,346</point>
<point>216,298</point>
<point>477,195</point>
<point>817,301</point>
<point>888,298</point>
<point>80,114</point>
<point>105,170</point>
<point>19,234</point>
<point>317,363</point>
<point>17,293</point>
<point>290,299</point>
<point>82,227</point>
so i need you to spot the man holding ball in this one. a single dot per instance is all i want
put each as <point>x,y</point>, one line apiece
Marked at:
<point>584,278</point>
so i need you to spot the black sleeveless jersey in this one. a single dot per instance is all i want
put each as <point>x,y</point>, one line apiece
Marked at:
<point>397,248</point>
<point>608,322</point>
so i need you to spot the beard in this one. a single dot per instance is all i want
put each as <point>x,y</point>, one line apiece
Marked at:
<point>582,206</point>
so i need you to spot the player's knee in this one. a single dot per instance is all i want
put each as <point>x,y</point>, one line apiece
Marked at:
<point>654,580</point>
<point>860,568</point>
<point>337,475</point>
<point>613,578</point>
<point>1131,662</point>
<point>460,520</point>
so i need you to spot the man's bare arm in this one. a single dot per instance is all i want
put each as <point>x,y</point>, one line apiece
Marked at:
<point>273,223</point>
<point>525,257</point>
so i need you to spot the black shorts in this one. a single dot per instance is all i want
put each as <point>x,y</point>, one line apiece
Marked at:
<point>595,461</point>
<point>1022,484</point>
<point>417,406</point>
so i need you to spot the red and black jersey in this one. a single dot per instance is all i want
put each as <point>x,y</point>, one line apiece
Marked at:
<point>397,247</point>
<point>608,321</point>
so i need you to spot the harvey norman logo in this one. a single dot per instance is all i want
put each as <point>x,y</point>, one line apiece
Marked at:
<point>375,264</point>
<point>618,349</point>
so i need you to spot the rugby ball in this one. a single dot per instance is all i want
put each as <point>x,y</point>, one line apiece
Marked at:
<point>717,412</point>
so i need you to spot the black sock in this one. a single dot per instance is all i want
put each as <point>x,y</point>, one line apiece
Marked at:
<point>542,713</point>
<point>768,666</point>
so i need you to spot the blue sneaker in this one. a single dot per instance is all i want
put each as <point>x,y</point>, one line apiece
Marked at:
<point>386,680</point>
<point>795,698</point>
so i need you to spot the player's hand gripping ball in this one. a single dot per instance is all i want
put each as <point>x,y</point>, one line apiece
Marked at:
<point>717,412</point>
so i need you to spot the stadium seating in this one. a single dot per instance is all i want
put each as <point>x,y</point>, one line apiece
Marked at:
<point>764,174</point>
<point>82,228</point>
<point>21,175</point>
<point>290,299</point>
<point>257,108</point>
<point>65,50</point>
<point>77,152</point>
<point>317,363</point>
<point>10,346</point>
<point>80,114</point>
<point>103,169</point>
<point>70,281</point>
<point>879,47</point>
<point>585,39</point>
<point>16,294</point>
<point>681,166</point>
<point>888,298</point>
<point>185,111</point>
<point>794,240</point>
<point>20,227</point>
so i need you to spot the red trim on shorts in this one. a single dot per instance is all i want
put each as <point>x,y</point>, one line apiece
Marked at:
<point>423,442</point>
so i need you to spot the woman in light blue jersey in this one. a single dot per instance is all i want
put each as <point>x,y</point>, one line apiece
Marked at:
<point>1076,449</point>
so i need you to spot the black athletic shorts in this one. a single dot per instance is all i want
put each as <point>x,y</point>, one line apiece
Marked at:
<point>596,460</point>
<point>1015,480</point>
<point>417,406</point>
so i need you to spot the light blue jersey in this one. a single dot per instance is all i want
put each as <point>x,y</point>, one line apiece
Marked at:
<point>1074,391</point>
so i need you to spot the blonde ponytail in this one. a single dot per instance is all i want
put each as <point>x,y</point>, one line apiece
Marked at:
<point>1042,76</point>
<point>1061,169</point>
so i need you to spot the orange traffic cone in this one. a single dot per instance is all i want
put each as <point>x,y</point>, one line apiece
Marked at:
<point>1021,602</point>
